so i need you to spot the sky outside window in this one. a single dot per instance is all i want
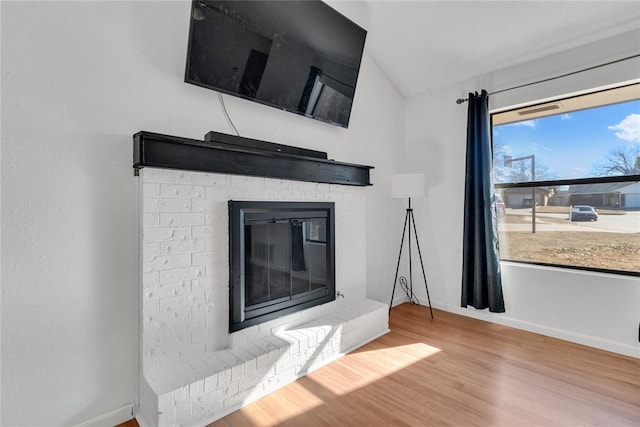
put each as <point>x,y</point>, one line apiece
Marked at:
<point>570,145</point>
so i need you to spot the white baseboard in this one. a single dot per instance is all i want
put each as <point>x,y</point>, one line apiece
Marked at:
<point>502,319</point>
<point>110,419</point>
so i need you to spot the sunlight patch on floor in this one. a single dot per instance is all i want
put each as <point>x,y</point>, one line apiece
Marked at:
<point>372,366</point>
<point>305,401</point>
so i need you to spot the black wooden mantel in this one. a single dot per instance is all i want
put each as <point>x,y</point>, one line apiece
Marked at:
<point>223,156</point>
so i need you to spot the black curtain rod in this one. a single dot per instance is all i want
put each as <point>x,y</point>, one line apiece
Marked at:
<point>461,100</point>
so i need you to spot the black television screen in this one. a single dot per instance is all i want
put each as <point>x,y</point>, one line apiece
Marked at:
<point>299,56</point>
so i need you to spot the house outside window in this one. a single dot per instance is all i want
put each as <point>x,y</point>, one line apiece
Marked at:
<point>567,177</point>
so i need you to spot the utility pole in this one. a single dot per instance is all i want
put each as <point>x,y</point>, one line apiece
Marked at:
<point>508,161</point>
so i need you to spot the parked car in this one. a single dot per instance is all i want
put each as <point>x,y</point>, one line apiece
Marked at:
<point>583,213</point>
<point>500,207</point>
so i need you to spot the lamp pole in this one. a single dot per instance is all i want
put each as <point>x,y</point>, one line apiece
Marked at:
<point>508,160</point>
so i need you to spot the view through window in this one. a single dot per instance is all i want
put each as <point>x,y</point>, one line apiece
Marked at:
<point>567,179</point>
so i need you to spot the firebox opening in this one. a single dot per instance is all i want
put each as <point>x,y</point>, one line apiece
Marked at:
<point>281,259</point>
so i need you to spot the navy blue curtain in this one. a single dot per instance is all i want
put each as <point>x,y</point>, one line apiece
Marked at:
<point>481,280</point>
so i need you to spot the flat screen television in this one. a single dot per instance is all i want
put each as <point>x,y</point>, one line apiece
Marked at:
<point>298,56</point>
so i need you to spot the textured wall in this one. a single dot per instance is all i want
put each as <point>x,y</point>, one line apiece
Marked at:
<point>78,80</point>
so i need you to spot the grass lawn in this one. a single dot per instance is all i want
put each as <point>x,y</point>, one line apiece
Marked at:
<point>616,251</point>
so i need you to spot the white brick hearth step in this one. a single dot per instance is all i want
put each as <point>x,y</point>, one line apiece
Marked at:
<point>202,391</point>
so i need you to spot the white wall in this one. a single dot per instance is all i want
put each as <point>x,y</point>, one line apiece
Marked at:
<point>0,229</point>
<point>78,79</point>
<point>601,310</point>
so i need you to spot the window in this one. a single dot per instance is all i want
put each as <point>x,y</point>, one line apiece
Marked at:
<point>567,178</point>
<point>316,230</point>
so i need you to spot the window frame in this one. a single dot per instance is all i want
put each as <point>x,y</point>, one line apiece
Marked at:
<point>562,182</point>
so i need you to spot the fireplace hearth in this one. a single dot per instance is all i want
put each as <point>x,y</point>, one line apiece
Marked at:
<point>281,259</point>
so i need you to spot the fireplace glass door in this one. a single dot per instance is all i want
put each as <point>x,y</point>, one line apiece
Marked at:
<point>281,262</point>
<point>285,260</point>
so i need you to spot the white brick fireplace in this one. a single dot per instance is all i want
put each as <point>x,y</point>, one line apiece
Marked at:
<point>193,371</point>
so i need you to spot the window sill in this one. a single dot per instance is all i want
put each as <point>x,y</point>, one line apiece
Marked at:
<point>572,269</point>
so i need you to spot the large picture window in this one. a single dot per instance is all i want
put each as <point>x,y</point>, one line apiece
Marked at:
<point>567,178</point>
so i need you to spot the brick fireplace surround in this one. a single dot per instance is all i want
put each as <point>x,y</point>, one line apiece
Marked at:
<point>192,370</point>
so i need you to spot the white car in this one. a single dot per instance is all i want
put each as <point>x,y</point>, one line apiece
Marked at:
<point>583,213</point>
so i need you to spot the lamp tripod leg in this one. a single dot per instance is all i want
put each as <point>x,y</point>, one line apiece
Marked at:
<point>411,298</point>
<point>395,281</point>
<point>421,263</point>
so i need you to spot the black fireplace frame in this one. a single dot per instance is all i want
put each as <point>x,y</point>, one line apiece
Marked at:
<point>238,211</point>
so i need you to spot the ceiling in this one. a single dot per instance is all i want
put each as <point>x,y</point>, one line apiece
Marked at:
<point>423,45</point>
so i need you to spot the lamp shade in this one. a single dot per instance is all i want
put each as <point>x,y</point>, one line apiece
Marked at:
<point>408,185</point>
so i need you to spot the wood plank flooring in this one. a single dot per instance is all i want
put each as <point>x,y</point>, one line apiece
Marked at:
<point>457,371</point>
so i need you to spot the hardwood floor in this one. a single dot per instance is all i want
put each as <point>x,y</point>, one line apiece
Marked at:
<point>457,371</point>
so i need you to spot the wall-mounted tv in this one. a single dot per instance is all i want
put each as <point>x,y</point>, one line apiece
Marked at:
<point>299,56</point>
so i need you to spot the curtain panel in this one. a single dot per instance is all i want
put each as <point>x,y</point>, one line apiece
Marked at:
<point>481,278</point>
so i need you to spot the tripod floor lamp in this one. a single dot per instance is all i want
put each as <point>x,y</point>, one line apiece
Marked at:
<point>409,185</point>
